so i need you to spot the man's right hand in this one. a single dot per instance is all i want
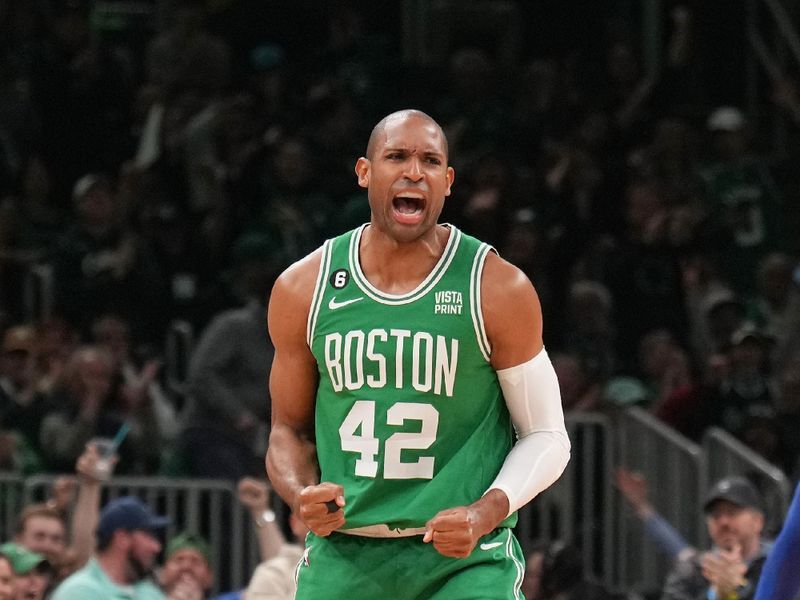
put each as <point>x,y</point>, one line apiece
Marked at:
<point>724,570</point>
<point>314,504</point>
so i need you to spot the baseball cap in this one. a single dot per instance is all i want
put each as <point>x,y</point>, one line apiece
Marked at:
<point>22,560</point>
<point>726,118</point>
<point>721,297</point>
<point>736,490</point>
<point>86,183</point>
<point>748,331</point>
<point>626,391</point>
<point>189,541</point>
<point>128,512</point>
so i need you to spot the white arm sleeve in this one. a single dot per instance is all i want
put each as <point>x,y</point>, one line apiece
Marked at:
<point>542,451</point>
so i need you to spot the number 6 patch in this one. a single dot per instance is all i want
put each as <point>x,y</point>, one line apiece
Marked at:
<point>340,278</point>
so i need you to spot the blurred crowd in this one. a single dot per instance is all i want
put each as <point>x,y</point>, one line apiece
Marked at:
<point>74,546</point>
<point>169,171</point>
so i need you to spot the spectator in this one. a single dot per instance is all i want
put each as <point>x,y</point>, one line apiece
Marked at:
<point>555,571</point>
<point>487,198</point>
<point>746,396</point>
<point>579,390</point>
<point>745,202</point>
<point>255,494</point>
<point>274,579</point>
<point>291,208</point>
<point>127,547</point>
<point>40,528</point>
<point>185,57</point>
<point>7,579</point>
<point>143,403</point>
<point>589,332</point>
<point>228,414</point>
<point>187,573</point>
<point>716,316</point>
<point>643,273</point>
<point>57,340</point>
<point>85,515</point>
<point>22,406</point>
<point>664,365</point>
<point>776,304</point>
<point>735,520</point>
<point>102,265</point>
<point>633,488</point>
<point>691,409</point>
<point>83,401</point>
<point>32,572</point>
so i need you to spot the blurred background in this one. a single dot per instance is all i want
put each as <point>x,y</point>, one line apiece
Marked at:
<point>162,161</point>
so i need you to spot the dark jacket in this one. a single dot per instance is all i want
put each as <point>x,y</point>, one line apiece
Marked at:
<point>686,581</point>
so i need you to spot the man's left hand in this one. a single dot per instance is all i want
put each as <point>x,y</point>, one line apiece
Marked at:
<point>455,531</point>
<point>452,532</point>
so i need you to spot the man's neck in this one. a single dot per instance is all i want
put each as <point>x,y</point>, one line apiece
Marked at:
<point>398,268</point>
<point>115,568</point>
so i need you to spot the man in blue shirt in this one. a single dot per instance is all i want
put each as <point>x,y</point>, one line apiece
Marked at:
<point>127,548</point>
<point>730,570</point>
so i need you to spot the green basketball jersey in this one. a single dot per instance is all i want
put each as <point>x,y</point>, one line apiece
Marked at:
<point>410,417</point>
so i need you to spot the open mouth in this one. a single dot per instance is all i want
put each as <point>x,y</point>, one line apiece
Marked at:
<point>408,207</point>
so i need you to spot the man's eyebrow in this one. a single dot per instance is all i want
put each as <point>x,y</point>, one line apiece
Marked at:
<point>428,152</point>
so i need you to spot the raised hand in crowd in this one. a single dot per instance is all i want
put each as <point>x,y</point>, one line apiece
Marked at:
<point>254,495</point>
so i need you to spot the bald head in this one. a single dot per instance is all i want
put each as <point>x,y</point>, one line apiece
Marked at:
<point>380,128</point>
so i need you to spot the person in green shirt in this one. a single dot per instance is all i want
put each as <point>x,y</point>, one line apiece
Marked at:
<point>127,548</point>
<point>414,406</point>
<point>33,573</point>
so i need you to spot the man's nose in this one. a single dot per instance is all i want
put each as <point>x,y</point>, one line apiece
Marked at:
<point>414,169</point>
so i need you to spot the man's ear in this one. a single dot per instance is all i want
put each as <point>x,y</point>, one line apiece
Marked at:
<point>122,537</point>
<point>451,177</point>
<point>362,171</point>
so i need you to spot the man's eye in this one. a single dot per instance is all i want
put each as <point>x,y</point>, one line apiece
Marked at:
<point>434,161</point>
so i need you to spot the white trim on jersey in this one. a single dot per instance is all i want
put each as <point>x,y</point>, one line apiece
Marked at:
<point>319,290</point>
<point>475,300</point>
<point>438,271</point>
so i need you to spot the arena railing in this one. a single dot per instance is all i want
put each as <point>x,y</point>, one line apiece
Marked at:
<point>574,509</point>
<point>12,494</point>
<point>581,508</point>
<point>207,507</point>
<point>728,456</point>
<point>675,470</point>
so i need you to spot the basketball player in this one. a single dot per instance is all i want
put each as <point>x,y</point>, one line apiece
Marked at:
<point>407,353</point>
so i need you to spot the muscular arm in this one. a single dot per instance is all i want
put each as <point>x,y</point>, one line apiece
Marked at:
<point>513,321</point>
<point>512,314</point>
<point>292,458</point>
